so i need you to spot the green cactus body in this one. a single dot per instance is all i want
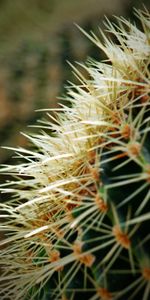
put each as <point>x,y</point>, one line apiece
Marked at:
<point>78,225</point>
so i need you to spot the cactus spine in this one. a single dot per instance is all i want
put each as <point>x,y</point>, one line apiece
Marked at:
<point>78,222</point>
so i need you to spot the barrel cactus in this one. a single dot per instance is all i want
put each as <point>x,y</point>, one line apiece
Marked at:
<point>77,223</point>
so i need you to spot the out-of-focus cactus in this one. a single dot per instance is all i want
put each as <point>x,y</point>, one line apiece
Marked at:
<point>32,78</point>
<point>78,222</point>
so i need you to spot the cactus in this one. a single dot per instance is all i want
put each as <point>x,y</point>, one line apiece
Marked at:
<point>77,224</point>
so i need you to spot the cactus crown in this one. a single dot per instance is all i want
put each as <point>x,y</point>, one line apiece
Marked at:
<point>77,224</point>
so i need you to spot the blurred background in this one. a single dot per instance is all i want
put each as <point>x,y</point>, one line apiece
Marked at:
<point>37,38</point>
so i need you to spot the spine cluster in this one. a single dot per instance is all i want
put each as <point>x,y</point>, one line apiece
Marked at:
<point>77,224</point>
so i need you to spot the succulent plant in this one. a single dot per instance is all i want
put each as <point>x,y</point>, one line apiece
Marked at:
<point>77,224</point>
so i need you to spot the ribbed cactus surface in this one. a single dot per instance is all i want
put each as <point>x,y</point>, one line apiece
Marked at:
<point>77,224</point>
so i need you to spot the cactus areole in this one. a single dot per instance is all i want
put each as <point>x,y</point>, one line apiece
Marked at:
<point>77,223</point>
